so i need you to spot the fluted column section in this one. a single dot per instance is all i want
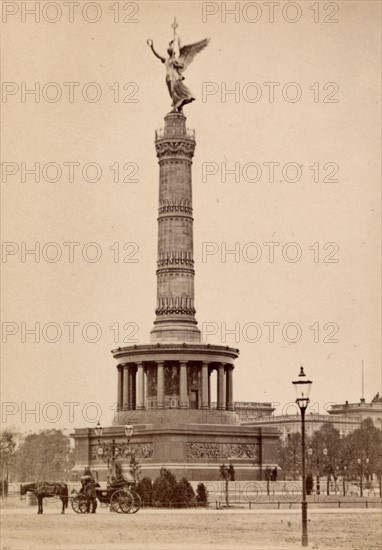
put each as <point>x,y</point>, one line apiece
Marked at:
<point>229,388</point>
<point>141,387</point>
<point>119,389</point>
<point>221,392</point>
<point>205,389</point>
<point>160,385</point>
<point>132,388</point>
<point>183,401</point>
<point>126,404</point>
<point>209,388</point>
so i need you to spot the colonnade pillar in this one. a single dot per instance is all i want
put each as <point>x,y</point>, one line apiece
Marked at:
<point>221,392</point>
<point>229,388</point>
<point>160,384</point>
<point>119,389</point>
<point>126,404</point>
<point>141,387</point>
<point>183,394</point>
<point>205,386</point>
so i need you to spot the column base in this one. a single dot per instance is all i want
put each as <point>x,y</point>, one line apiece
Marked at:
<point>175,332</point>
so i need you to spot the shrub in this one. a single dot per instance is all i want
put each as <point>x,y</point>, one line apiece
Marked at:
<point>145,491</point>
<point>184,495</point>
<point>201,495</point>
<point>164,488</point>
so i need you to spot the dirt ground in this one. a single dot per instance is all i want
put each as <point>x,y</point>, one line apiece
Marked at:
<point>22,529</point>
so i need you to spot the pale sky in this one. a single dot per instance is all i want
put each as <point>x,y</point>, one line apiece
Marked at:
<point>339,300</point>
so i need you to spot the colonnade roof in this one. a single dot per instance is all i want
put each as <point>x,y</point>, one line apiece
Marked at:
<point>176,352</point>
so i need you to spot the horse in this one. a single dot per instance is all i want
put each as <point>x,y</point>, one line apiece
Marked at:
<point>43,489</point>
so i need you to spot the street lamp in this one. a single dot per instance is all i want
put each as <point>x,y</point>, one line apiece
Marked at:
<point>302,387</point>
<point>110,451</point>
<point>361,470</point>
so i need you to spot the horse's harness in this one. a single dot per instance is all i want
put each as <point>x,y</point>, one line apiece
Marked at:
<point>49,489</point>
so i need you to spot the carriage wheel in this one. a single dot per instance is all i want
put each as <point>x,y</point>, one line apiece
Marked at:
<point>79,504</point>
<point>121,501</point>
<point>137,503</point>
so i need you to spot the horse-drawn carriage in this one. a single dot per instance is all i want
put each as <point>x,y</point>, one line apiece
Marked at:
<point>122,498</point>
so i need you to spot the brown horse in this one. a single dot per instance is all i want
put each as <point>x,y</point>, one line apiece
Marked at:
<point>43,489</point>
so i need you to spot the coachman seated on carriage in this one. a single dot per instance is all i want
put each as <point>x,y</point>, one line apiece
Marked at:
<point>122,480</point>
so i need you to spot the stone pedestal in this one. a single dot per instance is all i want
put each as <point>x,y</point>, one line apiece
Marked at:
<point>194,451</point>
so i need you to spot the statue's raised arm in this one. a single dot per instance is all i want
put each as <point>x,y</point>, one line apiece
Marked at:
<point>175,68</point>
<point>151,44</point>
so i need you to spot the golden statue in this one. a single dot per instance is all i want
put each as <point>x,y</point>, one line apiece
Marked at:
<point>175,67</point>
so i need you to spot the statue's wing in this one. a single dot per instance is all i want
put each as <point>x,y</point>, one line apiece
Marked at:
<point>187,53</point>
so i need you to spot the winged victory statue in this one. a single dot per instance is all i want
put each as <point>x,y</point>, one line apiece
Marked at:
<point>175,67</point>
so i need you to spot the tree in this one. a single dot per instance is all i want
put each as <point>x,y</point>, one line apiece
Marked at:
<point>201,494</point>
<point>329,439</point>
<point>364,443</point>
<point>164,488</point>
<point>290,456</point>
<point>228,474</point>
<point>135,468</point>
<point>45,456</point>
<point>7,448</point>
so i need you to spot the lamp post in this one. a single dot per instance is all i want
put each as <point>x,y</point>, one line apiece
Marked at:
<point>302,387</point>
<point>361,470</point>
<point>110,451</point>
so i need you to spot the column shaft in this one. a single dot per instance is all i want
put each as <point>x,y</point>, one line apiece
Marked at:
<point>132,388</point>
<point>229,388</point>
<point>221,396</point>
<point>141,387</point>
<point>209,388</point>
<point>183,402</point>
<point>160,385</point>
<point>119,389</point>
<point>205,386</point>
<point>125,401</point>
